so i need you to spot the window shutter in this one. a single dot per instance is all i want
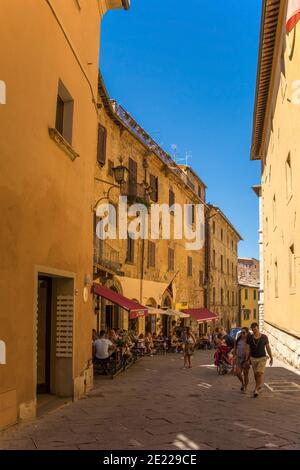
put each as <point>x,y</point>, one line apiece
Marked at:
<point>101,150</point>
<point>132,167</point>
<point>154,187</point>
<point>151,254</point>
<point>171,198</point>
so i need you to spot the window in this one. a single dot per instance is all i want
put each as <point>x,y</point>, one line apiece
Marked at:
<point>254,294</point>
<point>171,199</point>
<point>246,294</point>
<point>227,266</point>
<point>191,214</point>
<point>200,192</point>
<point>110,168</point>
<point>228,298</point>
<point>154,188</point>
<point>232,245</point>
<point>214,296</point>
<point>288,176</point>
<point>101,148</point>
<point>151,254</point>
<point>59,124</point>
<point>276,279</point>
<point>132,179</point>
<point>222,234</point>
<point>214,258</point>
<point>233,298</point>
<point>130,249</point>
<point>190,266</point>
<point>222,297</point>
<point>232,269</point>
<point>247,314</point>
<point>64,112</point>
<point>292,267</point>
<point>201,278</point>
<point>171,259</point>
<point>222,264</point>
<point>214,227</point>
<point>254,314</point>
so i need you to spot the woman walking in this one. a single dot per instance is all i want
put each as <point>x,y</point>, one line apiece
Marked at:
<point>189,345</point>
<point>240,359</point>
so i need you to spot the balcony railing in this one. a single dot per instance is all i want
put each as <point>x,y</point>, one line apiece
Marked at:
<point>106,256</point>
<point>134,191</point>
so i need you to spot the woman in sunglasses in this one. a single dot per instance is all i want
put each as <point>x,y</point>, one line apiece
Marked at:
<point>240,359</point>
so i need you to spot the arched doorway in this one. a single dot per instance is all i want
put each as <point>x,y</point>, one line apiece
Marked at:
<point>110,315</point>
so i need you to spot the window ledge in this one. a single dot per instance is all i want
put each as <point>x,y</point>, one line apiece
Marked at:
<point>293,290</point>
<point>62,143</point>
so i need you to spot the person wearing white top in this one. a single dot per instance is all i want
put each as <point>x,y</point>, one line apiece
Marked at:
<point>103,347</point>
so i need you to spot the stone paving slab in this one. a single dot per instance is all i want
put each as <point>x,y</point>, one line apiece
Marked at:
<point>156,405</point>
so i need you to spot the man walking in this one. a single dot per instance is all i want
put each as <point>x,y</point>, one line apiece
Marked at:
<point>257,344</point>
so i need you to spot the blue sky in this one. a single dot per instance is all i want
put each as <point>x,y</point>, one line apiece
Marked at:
<point>188,77</point>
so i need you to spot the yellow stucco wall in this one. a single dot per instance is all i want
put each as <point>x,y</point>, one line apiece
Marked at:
<point>281,229</point>
<point>46,199</point>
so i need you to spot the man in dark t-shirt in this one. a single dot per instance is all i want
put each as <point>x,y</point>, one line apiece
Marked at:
<point>257,344</point>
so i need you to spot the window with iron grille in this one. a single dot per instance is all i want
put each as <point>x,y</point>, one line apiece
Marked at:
<point>101,148</point>
<point>189,266</point>
<point>151,254</point>
<point>171,266</point>
<point>154,187</point>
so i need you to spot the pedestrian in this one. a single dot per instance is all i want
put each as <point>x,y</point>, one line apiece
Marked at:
<point>188,349</point>
<point>257,344</point>
<point>240,359</point>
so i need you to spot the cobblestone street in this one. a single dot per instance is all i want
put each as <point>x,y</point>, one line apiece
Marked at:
<point>157,405</point>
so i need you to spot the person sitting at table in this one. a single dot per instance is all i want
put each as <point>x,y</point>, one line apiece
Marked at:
<point>173,342</point>
<point>149,343</point>
<point>103,348</point>
<point>141,343</point>
<point>112,336</point>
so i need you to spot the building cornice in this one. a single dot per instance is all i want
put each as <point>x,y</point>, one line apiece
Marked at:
<point>126,122</point>
<point>268,33</point>
<point>218,210</point>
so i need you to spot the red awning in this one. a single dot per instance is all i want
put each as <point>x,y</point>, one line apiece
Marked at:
<point>201,314</point>
<point>135,310</point>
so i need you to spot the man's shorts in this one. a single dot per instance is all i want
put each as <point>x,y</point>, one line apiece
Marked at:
<point>259,364</point>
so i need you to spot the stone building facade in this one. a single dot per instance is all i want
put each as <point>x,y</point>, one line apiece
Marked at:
<point>158,273</point>
<point>222,267</point>
<point>276,143</point>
